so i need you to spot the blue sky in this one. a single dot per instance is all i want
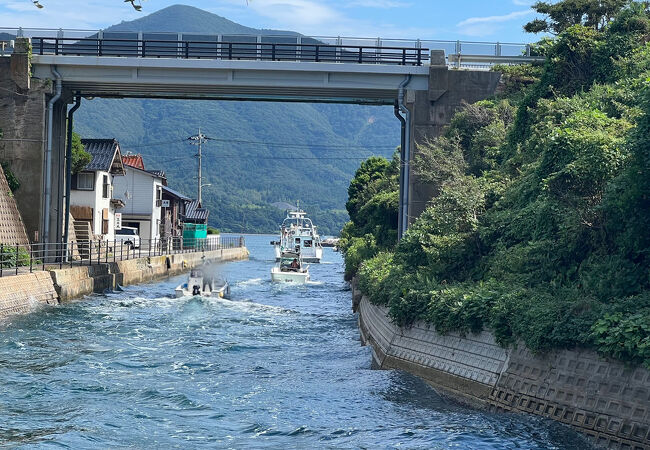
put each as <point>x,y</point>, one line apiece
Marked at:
<point>480,20</point>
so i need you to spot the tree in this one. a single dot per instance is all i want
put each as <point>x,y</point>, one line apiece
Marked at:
<point>80,157</point>
<point>594,14</point>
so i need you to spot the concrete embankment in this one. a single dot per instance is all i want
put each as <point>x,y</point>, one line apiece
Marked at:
<point>21,294</point>
<point>74,282</point>
<point>600,397</point>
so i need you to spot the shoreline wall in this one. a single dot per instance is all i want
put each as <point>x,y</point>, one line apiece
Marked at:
<point>600,397</point>
<point>20,294</point>
<point>75,282</point>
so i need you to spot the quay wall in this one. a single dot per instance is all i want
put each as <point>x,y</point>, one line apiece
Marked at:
<point>75,282</point>
<point>602,398</point>
<point>21,294</point>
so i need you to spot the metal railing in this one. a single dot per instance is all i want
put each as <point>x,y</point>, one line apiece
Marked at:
<point>18,259</point>
<point>519,51</point>
<point>228,50</point>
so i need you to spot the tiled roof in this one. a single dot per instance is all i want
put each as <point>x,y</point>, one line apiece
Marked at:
<point>193,212</point>
<point>158,173</point>
<point>176,193</point>
<point>103,153</point>
<point>133,161</point>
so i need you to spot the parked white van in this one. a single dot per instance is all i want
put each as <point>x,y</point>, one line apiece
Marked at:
<point>129,236</point>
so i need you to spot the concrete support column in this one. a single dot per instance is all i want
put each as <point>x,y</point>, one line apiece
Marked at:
<point>432,111</point>
<point>22,120</point>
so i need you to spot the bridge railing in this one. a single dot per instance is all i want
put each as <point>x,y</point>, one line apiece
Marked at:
<point>229,50</point>
<point>459,53</point>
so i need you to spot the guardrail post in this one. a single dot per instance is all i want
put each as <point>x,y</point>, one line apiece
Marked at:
<point>419,56</point>
<point>144,48</point>
<point>497,49</point>
<point>179,45</point>
<point>56,46</point>
<point>272,52</point>
<point>458,52</point>
<point>298,48</point>
<point>316,53</point>
<point>187,50</point>
<point>527,49</point>
<point>230,50</point>
<point>360,55</point>
<point>258,47</point>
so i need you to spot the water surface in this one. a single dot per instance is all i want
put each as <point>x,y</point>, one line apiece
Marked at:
<point>276,367</point>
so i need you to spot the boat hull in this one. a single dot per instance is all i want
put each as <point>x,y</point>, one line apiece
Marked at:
<point>278,276</point>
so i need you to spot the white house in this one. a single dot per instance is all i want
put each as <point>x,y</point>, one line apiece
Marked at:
<point>141,191</point>
<point>91,197</point>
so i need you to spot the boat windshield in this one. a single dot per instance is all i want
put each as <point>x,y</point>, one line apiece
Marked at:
<point>195,273</point>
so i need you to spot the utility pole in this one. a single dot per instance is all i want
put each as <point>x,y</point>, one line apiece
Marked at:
<point>199,139</point>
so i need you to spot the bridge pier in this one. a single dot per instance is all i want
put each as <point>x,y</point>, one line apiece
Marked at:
<point>433,109</point>
<point>23,121</point>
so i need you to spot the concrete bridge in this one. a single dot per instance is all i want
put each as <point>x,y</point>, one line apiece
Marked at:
<point>416,80</point>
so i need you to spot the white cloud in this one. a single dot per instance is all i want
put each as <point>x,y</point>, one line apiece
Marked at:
<point>485,26</point>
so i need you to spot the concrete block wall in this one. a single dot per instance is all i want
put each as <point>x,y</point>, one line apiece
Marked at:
<point>600,397</point>
<point>23,293</point>
<point>12,229</point>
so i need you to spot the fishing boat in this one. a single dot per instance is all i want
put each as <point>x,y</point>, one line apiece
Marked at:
<point>201,284</point>
<point>290,269</point>
<point>299,234</point>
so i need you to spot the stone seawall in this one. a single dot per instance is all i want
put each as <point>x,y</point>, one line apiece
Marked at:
<point>74,282</point>
<point>23,293</point>
<point>600,397</point>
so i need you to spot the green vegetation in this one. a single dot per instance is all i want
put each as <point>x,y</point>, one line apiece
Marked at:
<point>212,230</point>
<point>80,157</point>
<point>12,180</point>
<point>10,257</point>
<point>539,231</point>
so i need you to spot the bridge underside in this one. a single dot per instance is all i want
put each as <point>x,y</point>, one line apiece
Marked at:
<point>115,77</point>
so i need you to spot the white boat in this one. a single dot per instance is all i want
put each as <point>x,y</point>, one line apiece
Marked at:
<point>290,269</point>
<point>203,285</point>
<point>299,234</point>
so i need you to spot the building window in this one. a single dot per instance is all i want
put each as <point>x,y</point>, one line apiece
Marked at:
<point>86,181</point>
<point>105,187</point>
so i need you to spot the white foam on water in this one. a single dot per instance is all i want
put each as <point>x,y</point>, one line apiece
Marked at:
<point>251,282</point>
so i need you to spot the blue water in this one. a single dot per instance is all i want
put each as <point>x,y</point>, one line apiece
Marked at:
<point>276,367</point>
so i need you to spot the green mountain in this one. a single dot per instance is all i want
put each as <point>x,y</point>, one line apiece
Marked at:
<point>261,153</point>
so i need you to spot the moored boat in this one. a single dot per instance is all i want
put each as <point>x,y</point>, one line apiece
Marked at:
<point>290,269</point>
<point>201,284</point>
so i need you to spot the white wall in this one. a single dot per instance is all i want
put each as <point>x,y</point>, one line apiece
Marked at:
<point>141,206</point>
<point>94,199</point>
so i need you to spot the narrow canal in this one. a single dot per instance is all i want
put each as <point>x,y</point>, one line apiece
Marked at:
<point>276,367</point>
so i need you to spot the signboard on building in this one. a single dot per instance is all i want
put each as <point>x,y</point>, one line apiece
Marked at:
<point>165,204</point>
<point>118,221</point>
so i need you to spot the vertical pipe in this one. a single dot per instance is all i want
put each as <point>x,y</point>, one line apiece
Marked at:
<point>401,166</point>
<point>68,172</point>
<point>48,156</point>
<point>406,152</point>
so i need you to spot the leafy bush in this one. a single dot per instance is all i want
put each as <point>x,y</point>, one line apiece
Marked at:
<point>10,258</point>
<point>539,227</point>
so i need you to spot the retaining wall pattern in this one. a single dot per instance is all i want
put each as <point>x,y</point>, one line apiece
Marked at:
<point>12,230</point>
<point>600,397</point>
<point>22,293</point>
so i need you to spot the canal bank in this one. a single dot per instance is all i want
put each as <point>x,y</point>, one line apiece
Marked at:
<point>600,397</point>
<point>23,293</point>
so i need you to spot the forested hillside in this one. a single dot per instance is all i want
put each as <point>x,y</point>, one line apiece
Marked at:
<point>262,153</point>
<point>540,232</point>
